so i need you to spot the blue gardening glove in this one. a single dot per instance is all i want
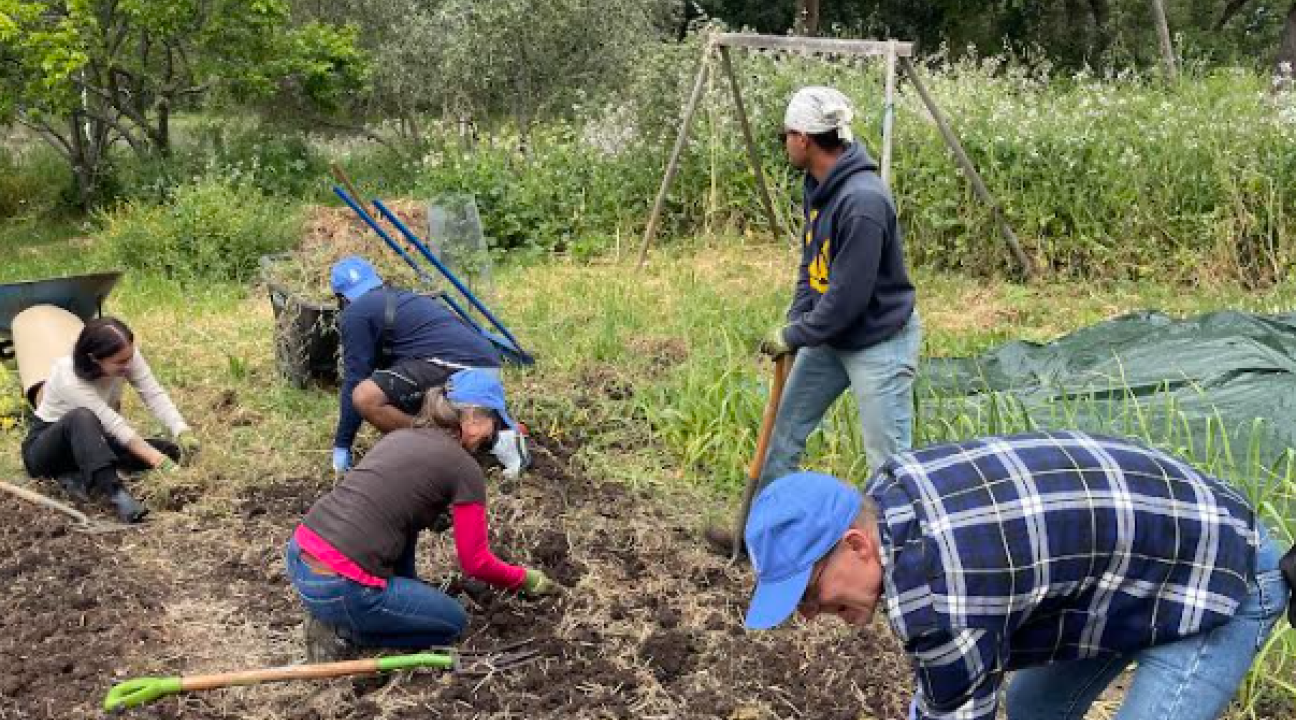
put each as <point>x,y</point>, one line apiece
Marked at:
<point>511,451</point>
<point>341,459</point>
<point>775,344</point>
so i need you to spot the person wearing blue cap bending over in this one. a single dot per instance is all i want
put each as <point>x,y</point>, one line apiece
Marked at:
<point>1052,561</point>
<point>352,557</point>
<point>396,345</point>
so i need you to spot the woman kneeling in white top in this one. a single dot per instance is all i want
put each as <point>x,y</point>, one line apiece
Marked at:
<point>79,435</point>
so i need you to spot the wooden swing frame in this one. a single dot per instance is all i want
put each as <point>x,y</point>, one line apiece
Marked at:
<point>896,54</point>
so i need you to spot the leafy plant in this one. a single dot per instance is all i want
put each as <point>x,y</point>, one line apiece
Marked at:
<point>212,229</point>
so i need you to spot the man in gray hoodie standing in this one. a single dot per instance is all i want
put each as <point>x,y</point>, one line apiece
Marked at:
<point>852,323</point>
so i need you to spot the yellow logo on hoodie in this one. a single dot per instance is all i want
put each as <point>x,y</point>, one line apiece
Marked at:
<point>819,267</point>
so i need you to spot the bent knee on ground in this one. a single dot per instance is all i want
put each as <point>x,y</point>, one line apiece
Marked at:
<point>368,397</point>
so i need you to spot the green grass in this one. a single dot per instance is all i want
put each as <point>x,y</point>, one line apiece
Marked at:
<point>651,374</point>
<point>44,245</point>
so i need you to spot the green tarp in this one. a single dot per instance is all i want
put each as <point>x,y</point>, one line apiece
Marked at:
<point>1218,383</point>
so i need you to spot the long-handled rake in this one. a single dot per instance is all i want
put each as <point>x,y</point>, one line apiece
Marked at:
<point>139,691</point>
<point>504,340</point>
<point>80,521</point>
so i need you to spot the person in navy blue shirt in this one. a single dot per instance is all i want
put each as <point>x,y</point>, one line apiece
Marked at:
<point>424,343</point>
<point>1048,561</point>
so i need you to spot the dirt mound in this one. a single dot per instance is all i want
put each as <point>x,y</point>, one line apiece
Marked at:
<point>332,233</point>
<point>651,626</point>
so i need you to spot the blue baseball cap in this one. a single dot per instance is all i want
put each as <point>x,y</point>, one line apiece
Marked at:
<point>353,276</point>
<point>793,523</point>
<point>479,388</point>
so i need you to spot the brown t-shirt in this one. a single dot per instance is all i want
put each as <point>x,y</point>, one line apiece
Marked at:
<point>407,480</point>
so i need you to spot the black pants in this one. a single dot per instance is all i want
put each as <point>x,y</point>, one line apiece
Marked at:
<point>77,443</point>
<point>406,383</point>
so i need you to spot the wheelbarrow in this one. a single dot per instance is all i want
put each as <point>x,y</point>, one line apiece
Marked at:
<point>39,320</point>
<point>81,295</point>
<point>136,692</point>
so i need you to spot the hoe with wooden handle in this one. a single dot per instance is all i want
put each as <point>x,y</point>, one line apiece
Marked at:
<point>782,366</point>
<point>139,691</point>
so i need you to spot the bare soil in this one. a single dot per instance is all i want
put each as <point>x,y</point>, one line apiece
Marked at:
<point>651,626</point>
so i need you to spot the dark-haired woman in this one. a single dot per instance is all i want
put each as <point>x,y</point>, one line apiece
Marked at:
<point>352,557</point>
<point>79,435</point>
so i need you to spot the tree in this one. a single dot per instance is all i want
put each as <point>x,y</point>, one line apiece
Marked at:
<point>807,18</point>
<point>529,60</point>
<point>1163,35</point>
<point>1285,62</point>
<point>87,75</point>
<point>1285,59</point>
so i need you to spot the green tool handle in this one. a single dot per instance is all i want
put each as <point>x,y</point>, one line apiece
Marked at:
<point>142,690</point>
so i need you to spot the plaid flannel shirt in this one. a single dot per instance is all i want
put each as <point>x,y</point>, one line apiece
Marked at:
<point>1009,552</point>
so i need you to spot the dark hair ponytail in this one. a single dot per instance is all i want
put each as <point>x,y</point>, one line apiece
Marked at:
<point>99,339</point>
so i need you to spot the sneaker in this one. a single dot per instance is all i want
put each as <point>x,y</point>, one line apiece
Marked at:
<point>325,645</point>
<point>721,541</point>
<point>129,510</point>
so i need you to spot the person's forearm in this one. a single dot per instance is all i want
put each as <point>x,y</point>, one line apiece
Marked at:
<point>144,451</point>
<point>475,558</point>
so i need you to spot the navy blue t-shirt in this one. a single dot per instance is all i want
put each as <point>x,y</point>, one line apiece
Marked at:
<point>422,328</point>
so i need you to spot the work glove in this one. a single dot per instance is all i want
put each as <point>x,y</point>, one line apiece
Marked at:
<point>775,344</point>
<point>538,585</point>
<point>166,466</point>
<point>189,444</point>
<point>511,451</point>
<point>341,459</point>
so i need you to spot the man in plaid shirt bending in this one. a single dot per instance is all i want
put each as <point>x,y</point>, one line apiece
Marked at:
<point>1060,557</point>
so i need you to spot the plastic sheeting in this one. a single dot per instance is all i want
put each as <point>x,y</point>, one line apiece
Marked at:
<point>1223,382</point>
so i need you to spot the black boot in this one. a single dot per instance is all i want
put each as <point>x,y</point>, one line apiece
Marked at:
<point>129,509</point>
<point>75,485</point>
<point>324,644</point>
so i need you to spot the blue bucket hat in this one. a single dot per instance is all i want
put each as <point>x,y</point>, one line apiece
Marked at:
<point>793,523</point>
<point>353,276</point>
<point>479,388</point>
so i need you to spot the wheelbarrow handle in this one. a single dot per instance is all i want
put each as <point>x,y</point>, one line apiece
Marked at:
<point>138,691</point>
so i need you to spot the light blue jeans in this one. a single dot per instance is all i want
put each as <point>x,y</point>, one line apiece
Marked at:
<point>1191,679</point>
<point>407,614</point>
<point>881,378</point>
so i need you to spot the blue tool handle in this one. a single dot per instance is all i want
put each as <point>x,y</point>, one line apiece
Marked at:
<point>391,217</point>
<point>423,274</point>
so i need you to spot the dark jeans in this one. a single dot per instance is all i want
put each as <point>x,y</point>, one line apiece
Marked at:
<point>407,614</point>
<point>77,443</point>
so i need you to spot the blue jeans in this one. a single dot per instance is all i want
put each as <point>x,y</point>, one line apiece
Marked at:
<point>1190,679</point>
<point>407,614</point>
<point>881,377</point>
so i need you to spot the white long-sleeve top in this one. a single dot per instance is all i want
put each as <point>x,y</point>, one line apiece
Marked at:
<point>65,392</point>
